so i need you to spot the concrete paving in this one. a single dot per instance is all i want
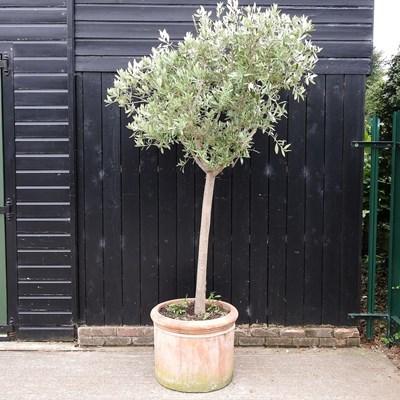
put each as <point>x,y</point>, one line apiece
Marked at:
<point>62,371</point>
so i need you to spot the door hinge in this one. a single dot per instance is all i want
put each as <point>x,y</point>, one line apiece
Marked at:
<point>7,209</point>
<point>9,330</point>
<point>5,63</point>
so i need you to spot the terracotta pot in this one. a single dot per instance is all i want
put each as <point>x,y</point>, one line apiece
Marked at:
<point>194,356</point>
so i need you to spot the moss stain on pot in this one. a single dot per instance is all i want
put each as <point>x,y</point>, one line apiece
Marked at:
<point>202,384</point>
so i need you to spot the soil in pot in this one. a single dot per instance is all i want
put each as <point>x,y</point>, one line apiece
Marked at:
<point>184,311</point>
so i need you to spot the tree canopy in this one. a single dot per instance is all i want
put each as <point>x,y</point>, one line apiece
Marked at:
<point>390,96</point>
<point>213,91</point>
<point>374,85</point>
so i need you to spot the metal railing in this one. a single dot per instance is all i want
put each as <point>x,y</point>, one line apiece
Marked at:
<point>392,314</point>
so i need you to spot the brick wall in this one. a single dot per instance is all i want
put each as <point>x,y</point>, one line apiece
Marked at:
<point>254,335</point>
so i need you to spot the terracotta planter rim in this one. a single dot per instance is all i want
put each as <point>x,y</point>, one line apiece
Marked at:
<point>194,327</point>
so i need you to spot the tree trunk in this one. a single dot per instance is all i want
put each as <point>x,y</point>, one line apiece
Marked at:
<point>201,281</point>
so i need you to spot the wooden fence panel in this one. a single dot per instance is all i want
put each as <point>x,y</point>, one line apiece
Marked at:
<point>109,35</point>
<point>275,246</point>
<point>285,235</point>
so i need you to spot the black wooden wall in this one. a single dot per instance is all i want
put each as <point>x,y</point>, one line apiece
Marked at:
<point>105,231</point>
<point>286,232</point>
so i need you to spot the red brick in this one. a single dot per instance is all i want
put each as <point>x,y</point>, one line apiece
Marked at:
<point>265,332</point>
<point>273,332</point>
<point>240,332</point>
<point>251,341</point>
<point>354,333</point>
<point>258,332</point>
<point>279,342</point>
<point>344,333</point>
<point>117,341</point>
<point>84,331</point>
<point>305,342</point>
<point>143,341</point>
<point>148,331</point>
<point>328,342</point>
<point>104,331</point>
<point>353,342</point>
<point>293,332</point>
<point>91,341</point>
<point>317,332</point>
<point>130,331</point>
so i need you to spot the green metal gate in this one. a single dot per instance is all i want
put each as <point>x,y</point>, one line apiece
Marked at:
<point>392,315</point>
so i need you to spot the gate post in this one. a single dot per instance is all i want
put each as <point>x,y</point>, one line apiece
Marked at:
<point>372,225</point>
<point>394,244</point>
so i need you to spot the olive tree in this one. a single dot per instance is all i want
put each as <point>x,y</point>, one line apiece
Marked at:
<point>214,90</point>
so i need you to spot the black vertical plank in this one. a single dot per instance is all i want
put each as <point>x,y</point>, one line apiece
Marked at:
<point>81,196</point>
<point>240,240</point>
<point>314,201</point>
<point>222,261</point>
<point>185,231</point>
<point>332,200</point>
<point>277,231</point>
<point>130,210</point>
<point>295,213</point>
<point>260,171</point>
<point>111,208</point>
<point>148,231</point>
<point>93,169</point>
<point>167,224</point>
<point>352,195</point>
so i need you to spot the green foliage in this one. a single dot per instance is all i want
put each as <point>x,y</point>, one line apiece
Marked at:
<point>390,340</point>
<point>212,92</point>
<point>214,297</point>
<point>386,105</point>
<point>374,86</point>
<point>212,305</point>
<point>373,102</point>
<point>390,99</point>
<point>180,308</point>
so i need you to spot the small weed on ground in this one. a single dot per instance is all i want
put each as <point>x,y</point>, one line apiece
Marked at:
<point>380,341</point>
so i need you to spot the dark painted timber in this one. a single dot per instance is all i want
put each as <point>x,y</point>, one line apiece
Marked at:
<point>103,231</point>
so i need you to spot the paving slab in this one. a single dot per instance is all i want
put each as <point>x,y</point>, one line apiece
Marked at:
<point>59,371</point>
